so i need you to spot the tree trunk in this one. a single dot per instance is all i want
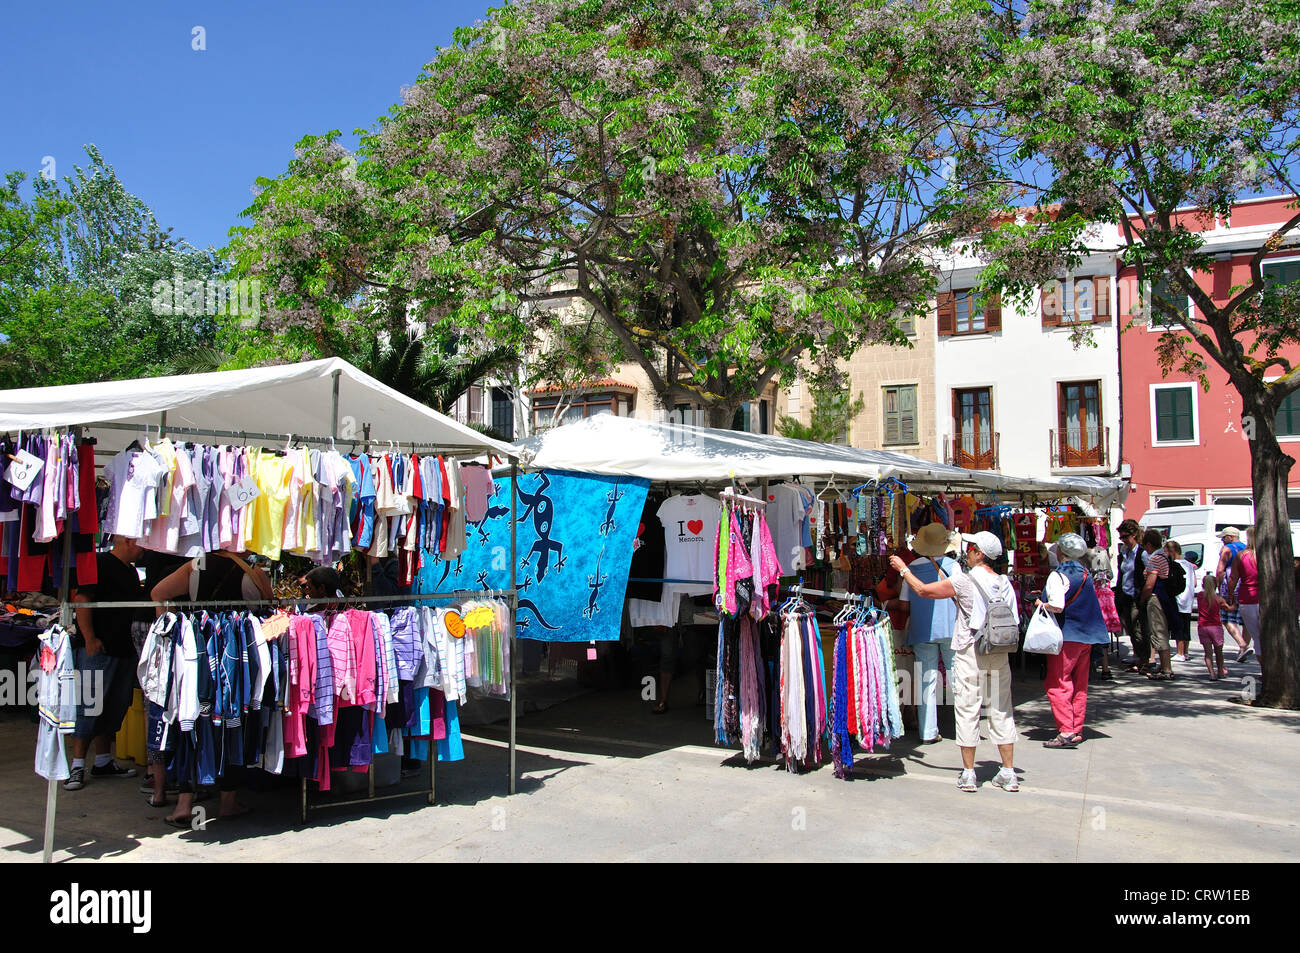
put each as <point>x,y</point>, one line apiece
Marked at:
<point>1279,638</point>
<point>719,417</point>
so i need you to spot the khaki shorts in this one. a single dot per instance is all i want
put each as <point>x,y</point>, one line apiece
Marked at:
<point>1157,626</point>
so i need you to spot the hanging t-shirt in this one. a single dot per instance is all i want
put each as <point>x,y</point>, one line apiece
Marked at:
<point>478,490</point>
<point>133,482</point>
<point>785,515</point>
<point>164,533</point>
<point>690,532</point>
<point>648,556</point>
<point>264,532</point>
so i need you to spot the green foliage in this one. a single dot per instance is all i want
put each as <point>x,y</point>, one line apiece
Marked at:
<point>832,413</point>
<point>78,265</point>
<point>724,187</point>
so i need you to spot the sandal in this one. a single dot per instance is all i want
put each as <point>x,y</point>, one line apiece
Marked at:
<point>181,823</point>
<point>1161,676</point>
<point>1063,741</point>
<point>660,709</point>
<point>163,803</point>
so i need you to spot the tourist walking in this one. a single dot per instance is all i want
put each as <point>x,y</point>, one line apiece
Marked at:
<point>1071,596</point>
<point>1157,603</point>
<point>1243,579</point>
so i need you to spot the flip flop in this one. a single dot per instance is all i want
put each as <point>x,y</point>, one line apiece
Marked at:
<point>163,803</point>
<point>180,823</point>
<point>1062,741</point>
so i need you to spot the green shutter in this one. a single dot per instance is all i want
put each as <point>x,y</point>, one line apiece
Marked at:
<point>907,414</point>
<point>1288,416</point>
<point>1283,273</point>
<point>892,417</point>
<point>1174,414</point>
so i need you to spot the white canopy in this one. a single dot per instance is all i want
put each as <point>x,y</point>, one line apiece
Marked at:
<point>287,398</point>
<point>675,453</point>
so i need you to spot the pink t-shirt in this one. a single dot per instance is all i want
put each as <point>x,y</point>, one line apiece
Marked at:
<point>1207,609</point>
<point>1248,573</point>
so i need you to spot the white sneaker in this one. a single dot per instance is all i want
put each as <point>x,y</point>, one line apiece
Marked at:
<point>1180,658</point>
<point>966,781</point>
<point>1006,780</point>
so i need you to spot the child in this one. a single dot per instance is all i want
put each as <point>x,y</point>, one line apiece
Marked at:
<point>1209,627</point>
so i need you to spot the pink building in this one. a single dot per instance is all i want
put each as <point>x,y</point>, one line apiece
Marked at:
<point>1184,445</point>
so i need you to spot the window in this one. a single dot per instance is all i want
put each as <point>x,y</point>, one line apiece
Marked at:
<point>583,405</point>
<point>1173,415</point>
<point>1075,301</point>
<point>900,414</point>
<point>1288,416</point>
<point>970,314</point>
<point>503,413</point>
<point>1164,290</point>
<point>966,311</point>
<point>1080,438</point>
<point>1281,272</point>
<point>975,443</point>
<point>907,324</point>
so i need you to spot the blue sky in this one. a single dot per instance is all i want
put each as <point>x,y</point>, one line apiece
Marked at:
<point>189,131</point>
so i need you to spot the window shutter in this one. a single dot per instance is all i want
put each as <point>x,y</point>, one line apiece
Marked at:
<point>947,313</point>
<point>907,414</point>
<point>890,395</point>
<point>1101,300</point>
<point>993,312</point>
<point>1049,301</point>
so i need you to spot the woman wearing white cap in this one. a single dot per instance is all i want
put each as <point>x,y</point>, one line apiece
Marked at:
<point>978,680</point>
<point>1070,594</point>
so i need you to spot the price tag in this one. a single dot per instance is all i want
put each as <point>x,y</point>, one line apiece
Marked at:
<point>591,652</point>
<point>22,472</point>
<point>454,623</point>
<point>242,493</point>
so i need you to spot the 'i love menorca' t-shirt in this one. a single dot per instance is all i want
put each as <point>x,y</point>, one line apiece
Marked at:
<point>690,534</point>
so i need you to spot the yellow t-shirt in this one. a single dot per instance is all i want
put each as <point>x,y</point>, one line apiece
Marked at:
<point>264,532</point>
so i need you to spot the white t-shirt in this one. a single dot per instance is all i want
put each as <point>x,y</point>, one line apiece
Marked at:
<point>785,513</point>
<point>690,534</point>
<point>133,482</point>
<point>1187,598</point>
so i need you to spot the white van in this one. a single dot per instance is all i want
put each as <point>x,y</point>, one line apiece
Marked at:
<point>1195,529</point>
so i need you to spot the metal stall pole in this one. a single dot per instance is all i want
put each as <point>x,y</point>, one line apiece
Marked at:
<point>65,619</point>
<point>514,615</point>
<point>334,406</point>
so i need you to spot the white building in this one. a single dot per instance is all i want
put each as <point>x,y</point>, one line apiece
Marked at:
<point>1013,390</point>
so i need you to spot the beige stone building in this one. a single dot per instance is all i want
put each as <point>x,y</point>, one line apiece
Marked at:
<point>897,384</point>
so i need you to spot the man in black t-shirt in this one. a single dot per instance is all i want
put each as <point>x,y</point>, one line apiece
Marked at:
<point>106,660</point>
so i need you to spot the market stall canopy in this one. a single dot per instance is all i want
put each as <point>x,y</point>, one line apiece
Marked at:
<point>295,398</point>
<point>679,454</point>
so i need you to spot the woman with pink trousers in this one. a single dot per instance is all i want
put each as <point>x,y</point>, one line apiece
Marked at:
<point>1070,594</point>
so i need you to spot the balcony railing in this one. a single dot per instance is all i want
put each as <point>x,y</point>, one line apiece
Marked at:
<point>1074,447</point>
<point>972,451</point>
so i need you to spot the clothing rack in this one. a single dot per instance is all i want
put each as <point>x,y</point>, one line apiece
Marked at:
<point>67,608</point>
<point>291,601</point>
<point>799,589</point>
